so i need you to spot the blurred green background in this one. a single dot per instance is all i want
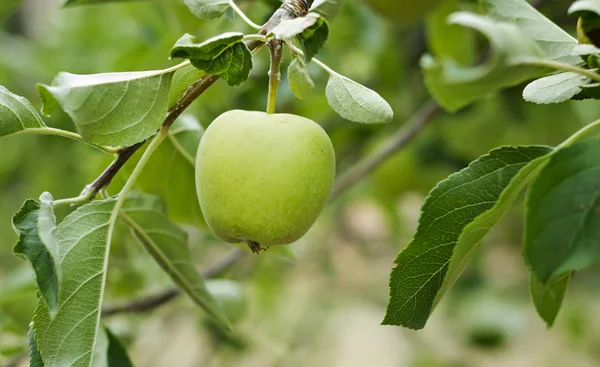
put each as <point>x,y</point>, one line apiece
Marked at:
<point>323,307</point>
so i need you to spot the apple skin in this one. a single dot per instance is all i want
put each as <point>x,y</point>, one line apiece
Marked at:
<point>402,12</point>
<point>262,178</point>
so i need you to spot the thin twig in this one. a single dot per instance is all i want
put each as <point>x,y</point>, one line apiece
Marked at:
<point>400,140</point>
<point>151,302</point>
<point>276,48</point>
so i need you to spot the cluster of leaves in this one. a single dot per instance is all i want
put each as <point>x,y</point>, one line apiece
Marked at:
<point>562,202</point>
<point>113,111</point>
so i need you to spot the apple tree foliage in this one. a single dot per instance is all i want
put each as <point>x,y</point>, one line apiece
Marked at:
<point>119,113</point>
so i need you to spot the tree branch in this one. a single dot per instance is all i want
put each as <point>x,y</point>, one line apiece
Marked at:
<point>400,140</point>
<point>288,10</point>
<point>397,142</point>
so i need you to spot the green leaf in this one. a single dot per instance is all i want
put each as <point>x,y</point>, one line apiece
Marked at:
<point>356,102</point>
<point>207,9</point>
<point>450,40</point>
<point>109,351</point>
<point>170,173</point>
<point>117,353</point>
<point>34,224</point>
<point>548,297</point>
<point>555,88</point>
<point>562,224</point>
<point>167,243</point>
<point>112,109</point>
<point>300,82</point>
<point>327,8</point>
<point>554,41</point>
<point>17,114</point>
<point>292,27</point>
<point>313,38</point>
<point>182,80</point>
<point>455,86</point>
<point>69,338</point>
<point>455,217</point>
<point>35,359</point>
<point>225,55</point>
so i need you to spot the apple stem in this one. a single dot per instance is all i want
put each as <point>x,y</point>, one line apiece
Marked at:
<point>276,48</point>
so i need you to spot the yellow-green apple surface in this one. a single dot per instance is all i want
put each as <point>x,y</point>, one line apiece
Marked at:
<point>402,12</point>
<point>263,178</point>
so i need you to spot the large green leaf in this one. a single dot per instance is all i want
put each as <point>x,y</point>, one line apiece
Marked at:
<point>34,224</point>
<point>111,109</point>
<point>69,338</point>
<point>455,217</point>
<point>455,86</point>
<point>17,114</point>
<point>548,297</point>
<point>562,229</point>
<point>225,55</point>
<point>167,243</point>
<point>554,41</point>
<point>170,173</point>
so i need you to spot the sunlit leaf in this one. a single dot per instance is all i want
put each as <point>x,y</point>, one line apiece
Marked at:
<point>69,338</point>
<point>17,114</point>
<point>207,9</point>
<point>111,109</point>
<point>555,88</point>
<point>455,86</point>
<point>356,102</point>
<point>556,43</point>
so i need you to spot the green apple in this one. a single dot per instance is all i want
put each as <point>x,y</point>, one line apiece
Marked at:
<point>263,179</point>
<point>402,12</point>
<point>231,297</point>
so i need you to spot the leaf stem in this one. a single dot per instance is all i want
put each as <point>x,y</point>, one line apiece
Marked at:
<point>298,52</point>
<point>86,196</point>
<point>557,65</point>
<point>243,16</point>
<point>65,134</point>
<point>255,37</point>
<point>579,134</point>
<point>152,147</point>
<point>276,48</point>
